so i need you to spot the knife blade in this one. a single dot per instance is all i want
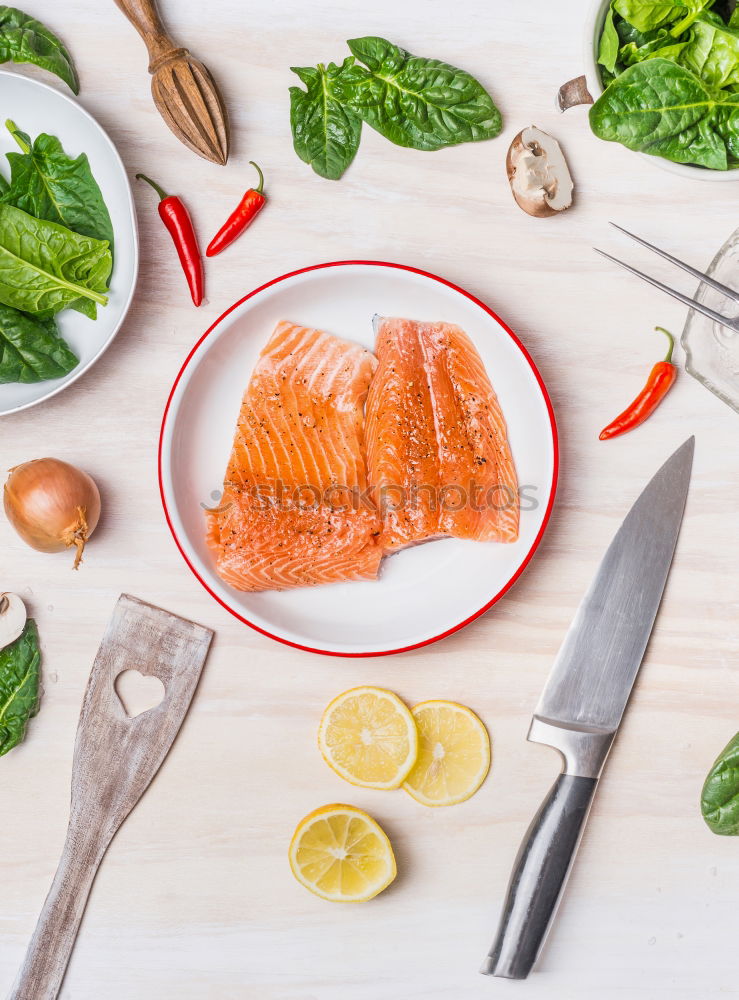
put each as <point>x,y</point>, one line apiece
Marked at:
<point>582,705</point>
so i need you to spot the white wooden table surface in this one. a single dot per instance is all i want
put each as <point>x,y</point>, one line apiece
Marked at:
<point>195,898</point>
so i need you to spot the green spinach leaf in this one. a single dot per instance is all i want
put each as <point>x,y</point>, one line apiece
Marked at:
<point>663,46</point>
<point>720,798</point>
<point>727,125</point>
<point>416,102</point>
<point>45,267</point>
<point>420,103</point>
<point>714,17</point>
<point>606,77</point>
<point>19,686</point>
<point>31,350</point>
<point>645,15</point>
<point>712,53</point>
<point>609,43</point>
<point>47,183</point>
<point>627,33</point>
<point>325,132</point>
<point>25,40</point>
<point>661,108</point>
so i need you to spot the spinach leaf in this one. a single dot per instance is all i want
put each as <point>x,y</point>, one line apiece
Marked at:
<point>712,53</point>
<point>4,186</point>
<point>45,267</point>
<point>47,183</point>
<point>606,77</point>
<point>420,103</point>
<point>714,17</point>
<point>627,33</point>
<point>648,14</point>
<point>325,133</point>
<point>19,686</point>
<point>727,124</point>
<point>663,46</point>
<point>23,39</point>
<point>609,43</point>
<point>720,797</point>
<point>663,109</point>
<point>416,102</point>
<point>31,350</point>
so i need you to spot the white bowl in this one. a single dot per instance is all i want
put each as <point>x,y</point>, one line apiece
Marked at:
<point>425,592</point>
<point>593,27</point>
<point>36,107</point>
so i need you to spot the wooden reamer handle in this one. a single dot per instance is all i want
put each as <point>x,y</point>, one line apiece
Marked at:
<point>144,16</point>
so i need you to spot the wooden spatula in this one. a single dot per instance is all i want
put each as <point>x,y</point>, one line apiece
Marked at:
<point>183,89</point>
<point>115,759</point>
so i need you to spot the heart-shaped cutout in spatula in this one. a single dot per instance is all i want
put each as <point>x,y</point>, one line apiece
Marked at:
<point>137,692</point>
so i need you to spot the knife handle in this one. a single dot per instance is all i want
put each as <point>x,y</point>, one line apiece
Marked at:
<point>539,876</point>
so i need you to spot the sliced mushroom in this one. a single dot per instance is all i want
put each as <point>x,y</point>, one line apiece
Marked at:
<point>12,618</point>
<point>538,173</point>
<point>572,93</point>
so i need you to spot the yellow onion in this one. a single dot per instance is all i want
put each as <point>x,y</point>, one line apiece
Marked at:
<point>52,505</point>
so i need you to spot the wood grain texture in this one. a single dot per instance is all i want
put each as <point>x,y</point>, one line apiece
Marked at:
<point>115,760</point>
<point>183,89</point>
<point>197,902</point>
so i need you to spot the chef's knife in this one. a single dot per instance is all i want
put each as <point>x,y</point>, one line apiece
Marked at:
<point>582,704</point>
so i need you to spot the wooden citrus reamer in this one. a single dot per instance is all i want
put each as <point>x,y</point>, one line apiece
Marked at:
<point>183,89</point>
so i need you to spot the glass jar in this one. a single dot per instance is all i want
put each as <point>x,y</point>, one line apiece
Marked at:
<point>712,350</point>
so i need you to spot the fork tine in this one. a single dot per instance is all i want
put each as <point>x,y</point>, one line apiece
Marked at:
<point>685,299</point>
<point>730,293</point>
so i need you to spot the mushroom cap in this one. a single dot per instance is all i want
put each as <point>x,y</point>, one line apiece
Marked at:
<point>12,618</point>
<point>538,174</point>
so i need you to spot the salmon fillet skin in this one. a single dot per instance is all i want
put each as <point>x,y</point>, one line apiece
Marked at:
<point>438,456</point>
<point>295,510</point>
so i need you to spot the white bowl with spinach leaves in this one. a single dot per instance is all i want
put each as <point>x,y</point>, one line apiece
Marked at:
<point>68,242</point>
<point>666,78</point>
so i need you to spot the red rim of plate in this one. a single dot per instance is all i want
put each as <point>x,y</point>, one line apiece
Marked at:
<point>555,457</point>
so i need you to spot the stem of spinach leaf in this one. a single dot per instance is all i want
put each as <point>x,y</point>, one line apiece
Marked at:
<point>681,26</point>
<point>13,129</point>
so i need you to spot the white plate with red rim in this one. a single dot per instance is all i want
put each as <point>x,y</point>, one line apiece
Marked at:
<point>36,107</point>
<point>424,593</point>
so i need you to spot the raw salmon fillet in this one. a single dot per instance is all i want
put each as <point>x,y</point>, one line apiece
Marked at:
<point>437,449</point>
<point>292,513</point>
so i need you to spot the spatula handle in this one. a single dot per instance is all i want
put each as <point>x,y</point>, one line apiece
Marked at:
<point>539,876</point>
<point>42,972</point>
<point>144,16</point>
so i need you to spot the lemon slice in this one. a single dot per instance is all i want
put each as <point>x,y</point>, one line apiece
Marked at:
<point>453,754</point>
<point>340,853</point>
<point>368,736</point>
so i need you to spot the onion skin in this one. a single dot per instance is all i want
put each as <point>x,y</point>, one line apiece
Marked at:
<point>52,505</point>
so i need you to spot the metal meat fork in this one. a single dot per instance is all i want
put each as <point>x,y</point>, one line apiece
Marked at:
<point>730,293</point>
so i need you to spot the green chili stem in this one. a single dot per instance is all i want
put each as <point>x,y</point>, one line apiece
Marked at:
<point>260,188</point>
<point>160,191</point>
<point>672,342</point>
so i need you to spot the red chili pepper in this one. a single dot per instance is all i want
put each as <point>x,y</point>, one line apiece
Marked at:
<point>176,218</point>
<point>242,216</point>
<point>659,383</point>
